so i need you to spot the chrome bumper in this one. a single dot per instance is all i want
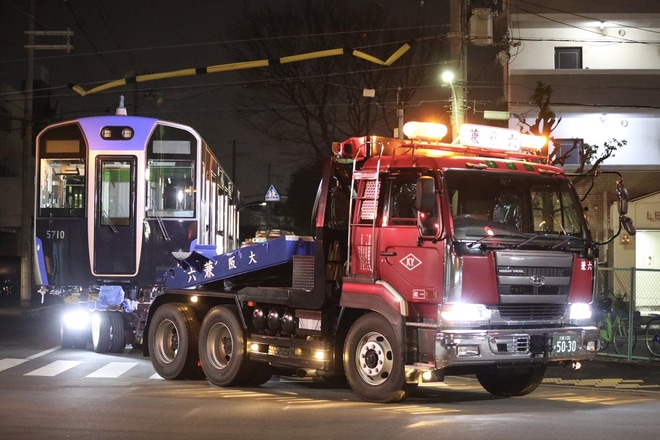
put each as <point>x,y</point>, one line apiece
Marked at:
<point>457,347</point>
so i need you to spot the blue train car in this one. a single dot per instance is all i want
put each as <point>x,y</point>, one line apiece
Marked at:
<point>118,198</point>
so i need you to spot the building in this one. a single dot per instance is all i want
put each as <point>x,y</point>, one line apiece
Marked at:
<point>602,61</point>
<point>11,142</point>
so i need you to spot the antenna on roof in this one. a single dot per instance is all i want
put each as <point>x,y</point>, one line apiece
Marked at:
<point>121,110</point>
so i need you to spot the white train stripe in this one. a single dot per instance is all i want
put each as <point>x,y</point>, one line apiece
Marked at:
<point>113,370</point>
<point>7,363</point>
<point>54,368</point>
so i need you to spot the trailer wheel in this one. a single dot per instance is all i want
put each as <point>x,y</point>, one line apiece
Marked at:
<point>101,332</point>
<point>72,338</point>
<point>222,348</point>
<point>173,336</point>
<point>373,361</point>
<point>117,338</point>
<point>512,384</point>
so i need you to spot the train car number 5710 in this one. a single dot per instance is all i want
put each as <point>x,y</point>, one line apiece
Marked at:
<point>55,235</point>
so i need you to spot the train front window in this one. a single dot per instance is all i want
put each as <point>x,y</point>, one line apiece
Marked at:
<point>61,188</point>
<point>171,155</point>
<point>170,190</point>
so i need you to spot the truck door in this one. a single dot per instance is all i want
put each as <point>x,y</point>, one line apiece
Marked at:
<point>114,217</point>
<point>415,270</point>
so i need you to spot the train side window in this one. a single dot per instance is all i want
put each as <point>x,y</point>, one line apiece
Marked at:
<point>61,188</point>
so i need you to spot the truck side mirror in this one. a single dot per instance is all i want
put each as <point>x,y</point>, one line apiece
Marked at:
<point>622,198</point>
<point>426,206</point>
<point>627,224</point>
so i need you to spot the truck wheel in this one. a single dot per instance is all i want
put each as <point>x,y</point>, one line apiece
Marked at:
<point>173,337</point>
<point>101,333</point>
<point>511,384</point>
<point>72,338</point>
<point>117,338</point>
<point>222,348</point>
<point>373,361</point>
<point>261,374</point>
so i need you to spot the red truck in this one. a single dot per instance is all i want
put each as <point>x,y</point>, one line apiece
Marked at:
<point>427,259</point>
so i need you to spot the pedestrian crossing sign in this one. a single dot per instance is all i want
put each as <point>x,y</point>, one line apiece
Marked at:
<point>272,195</point>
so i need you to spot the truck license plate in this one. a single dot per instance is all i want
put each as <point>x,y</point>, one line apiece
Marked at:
<point>564,344</point>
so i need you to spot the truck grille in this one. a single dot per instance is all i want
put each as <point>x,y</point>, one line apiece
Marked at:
<point>529,271</point>
<point>522,275</point>
<point>526,312</point>
<point>530,290</point>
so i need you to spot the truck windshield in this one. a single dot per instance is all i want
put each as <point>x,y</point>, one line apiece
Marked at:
<point>520,206</point>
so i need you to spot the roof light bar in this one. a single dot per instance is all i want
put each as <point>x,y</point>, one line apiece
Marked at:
<point>424,130</point>
<point>497,138</point>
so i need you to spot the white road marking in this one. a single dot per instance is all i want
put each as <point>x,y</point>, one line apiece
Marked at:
<point>7,363</point>
<point>42,353</point>
<point>113,370</point>
<point>54,368</point>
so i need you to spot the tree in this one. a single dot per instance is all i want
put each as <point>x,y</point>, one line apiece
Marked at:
<point>313,103</point>
<point>591,156</point>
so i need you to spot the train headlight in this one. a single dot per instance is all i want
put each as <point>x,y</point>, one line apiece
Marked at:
<point>76,319</point>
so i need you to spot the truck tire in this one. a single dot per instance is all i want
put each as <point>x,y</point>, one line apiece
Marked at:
<point>222,348</point>
<point>261,373</point>
<point>173,337</point>
<point>72,338</point>
<point>512,383</point>
<point>373,361</point>
<point>117,337</point>
<point>101,332</point>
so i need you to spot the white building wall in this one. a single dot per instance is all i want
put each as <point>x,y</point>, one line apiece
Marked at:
<point>636,49</point>
<point>628,44</point>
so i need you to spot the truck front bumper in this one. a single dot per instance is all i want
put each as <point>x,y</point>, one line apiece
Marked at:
<point>482,347</point>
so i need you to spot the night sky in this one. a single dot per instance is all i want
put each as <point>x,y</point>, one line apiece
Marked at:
<point>118,38</point>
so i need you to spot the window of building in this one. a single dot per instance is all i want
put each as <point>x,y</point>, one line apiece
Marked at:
<point>569,151</point>
<point>568,58</point>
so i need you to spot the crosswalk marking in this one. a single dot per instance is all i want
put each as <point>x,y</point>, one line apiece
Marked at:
<point>54,368</point>
<point>113,370</point>
<point>10,362</point>
<point>42,353</point>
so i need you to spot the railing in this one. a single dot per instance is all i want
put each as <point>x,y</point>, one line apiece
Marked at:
<point>628,298</point>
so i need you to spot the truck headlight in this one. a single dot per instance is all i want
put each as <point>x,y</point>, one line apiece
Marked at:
<point>457,314</point>
<point>580,312</point>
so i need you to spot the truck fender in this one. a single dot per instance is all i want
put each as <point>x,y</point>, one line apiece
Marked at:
<point>378,297</point>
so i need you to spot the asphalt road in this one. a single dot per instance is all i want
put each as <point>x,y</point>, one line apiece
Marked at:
<point>38,327</point>
<point>48,392</point>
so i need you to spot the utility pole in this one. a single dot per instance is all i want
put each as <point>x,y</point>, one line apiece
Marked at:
<point>29,178</point>
<point>458,53</point>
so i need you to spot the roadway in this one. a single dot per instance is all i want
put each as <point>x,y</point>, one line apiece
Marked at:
<point>49,392</point>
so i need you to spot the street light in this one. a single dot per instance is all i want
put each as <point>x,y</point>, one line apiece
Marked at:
<point>448,77</point>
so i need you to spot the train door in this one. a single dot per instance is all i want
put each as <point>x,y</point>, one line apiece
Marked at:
<point>114,228</point>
